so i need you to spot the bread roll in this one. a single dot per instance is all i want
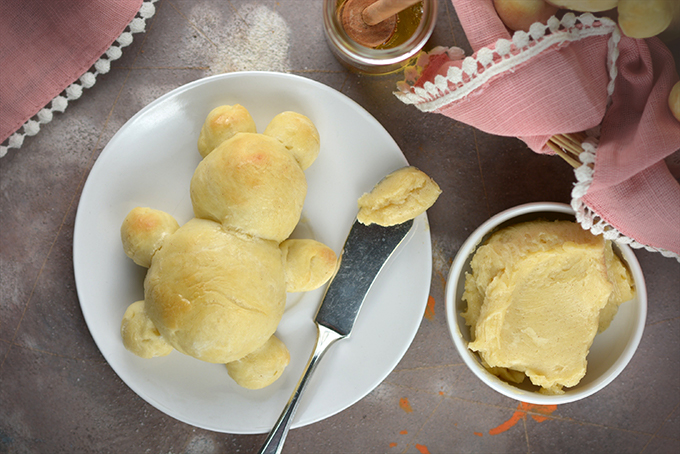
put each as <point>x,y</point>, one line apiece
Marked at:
<point>143,231</point>
<point>674,101</point>
<point>592,6</point>
<point>645,19</point>
<point>298,134</point>
<point>262,367</point>
<point>400,196</point>
<point>308,264</point>
<point>250,183</point>
<point>223,123</point>
<point>520,14</point>
<point>215,294</point>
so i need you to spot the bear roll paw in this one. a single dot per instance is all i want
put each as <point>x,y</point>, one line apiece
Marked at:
<point>262,367</point>
<point>143,232</point>
<point>309,264</point>
<point>140,335</point>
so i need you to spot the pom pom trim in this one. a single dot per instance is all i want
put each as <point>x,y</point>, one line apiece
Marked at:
<point>87,80</point>
<point>590,220</point>
<point>507,55</point>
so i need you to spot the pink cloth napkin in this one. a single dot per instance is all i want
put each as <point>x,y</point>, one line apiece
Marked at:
<point>568,76</point>
<point>46,45</point>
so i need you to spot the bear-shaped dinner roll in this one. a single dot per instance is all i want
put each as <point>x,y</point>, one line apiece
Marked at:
<point>216,286</point>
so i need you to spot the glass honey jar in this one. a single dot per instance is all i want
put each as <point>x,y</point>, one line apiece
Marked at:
<point>414,27</point>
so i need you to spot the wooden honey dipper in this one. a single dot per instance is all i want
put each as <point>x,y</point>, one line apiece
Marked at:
<point>372,22</point>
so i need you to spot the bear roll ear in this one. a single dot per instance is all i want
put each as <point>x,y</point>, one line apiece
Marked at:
<point>140,335</point>
<point>223,123</point>
<point>308,263</point>
<point>298,134</point>
<point>143,232</point>
<point>261,367</point>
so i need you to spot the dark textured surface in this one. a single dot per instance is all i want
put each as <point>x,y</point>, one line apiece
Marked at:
<point>58,394</point>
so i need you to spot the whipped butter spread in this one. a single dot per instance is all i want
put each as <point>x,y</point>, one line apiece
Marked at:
<point>400,196</point>
<point>538,294</point>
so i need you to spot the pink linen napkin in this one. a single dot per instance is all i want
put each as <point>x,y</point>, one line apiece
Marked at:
<point>570,75</point>
<point>46,45</point>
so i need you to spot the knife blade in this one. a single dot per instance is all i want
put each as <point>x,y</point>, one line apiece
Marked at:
<point>366,250</point>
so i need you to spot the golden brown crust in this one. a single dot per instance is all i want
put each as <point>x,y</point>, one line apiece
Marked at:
<point>143,232</point>
<point>262,367</point>
<point>250,183</point>
<point>298,134</point>
<point>309,264</point>
<point>223,123</point>
<point>215,294</point>
<point>140,335</point>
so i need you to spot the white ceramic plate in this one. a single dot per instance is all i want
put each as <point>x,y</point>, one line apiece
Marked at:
<point>611,350</point>
<point>150,161</point>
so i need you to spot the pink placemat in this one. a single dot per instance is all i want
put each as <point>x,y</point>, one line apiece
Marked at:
<point>573,74</point>
<point>47,48</point>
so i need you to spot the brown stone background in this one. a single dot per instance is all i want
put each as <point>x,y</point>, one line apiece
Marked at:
<point>59,395</point>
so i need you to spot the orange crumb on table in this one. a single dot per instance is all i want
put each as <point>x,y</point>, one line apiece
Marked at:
<point>403,432</point>
<point>441,275</point>
<point>429,310</point>
<point>521,413</point>
<point>422,448</point>
<point>405,405</point>
<point>392,445</point>
<point>479,434</point>
<point>545,410</point>
<point>508,424</point>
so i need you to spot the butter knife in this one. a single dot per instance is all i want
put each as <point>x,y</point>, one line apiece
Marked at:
<point>366,250</point>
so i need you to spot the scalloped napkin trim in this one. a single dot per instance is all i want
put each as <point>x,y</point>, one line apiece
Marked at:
<point>585,216</point>
<point>506,55</point>
<point>74,91</point>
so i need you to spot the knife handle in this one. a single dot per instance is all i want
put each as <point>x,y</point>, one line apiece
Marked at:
<point>274,444</point>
